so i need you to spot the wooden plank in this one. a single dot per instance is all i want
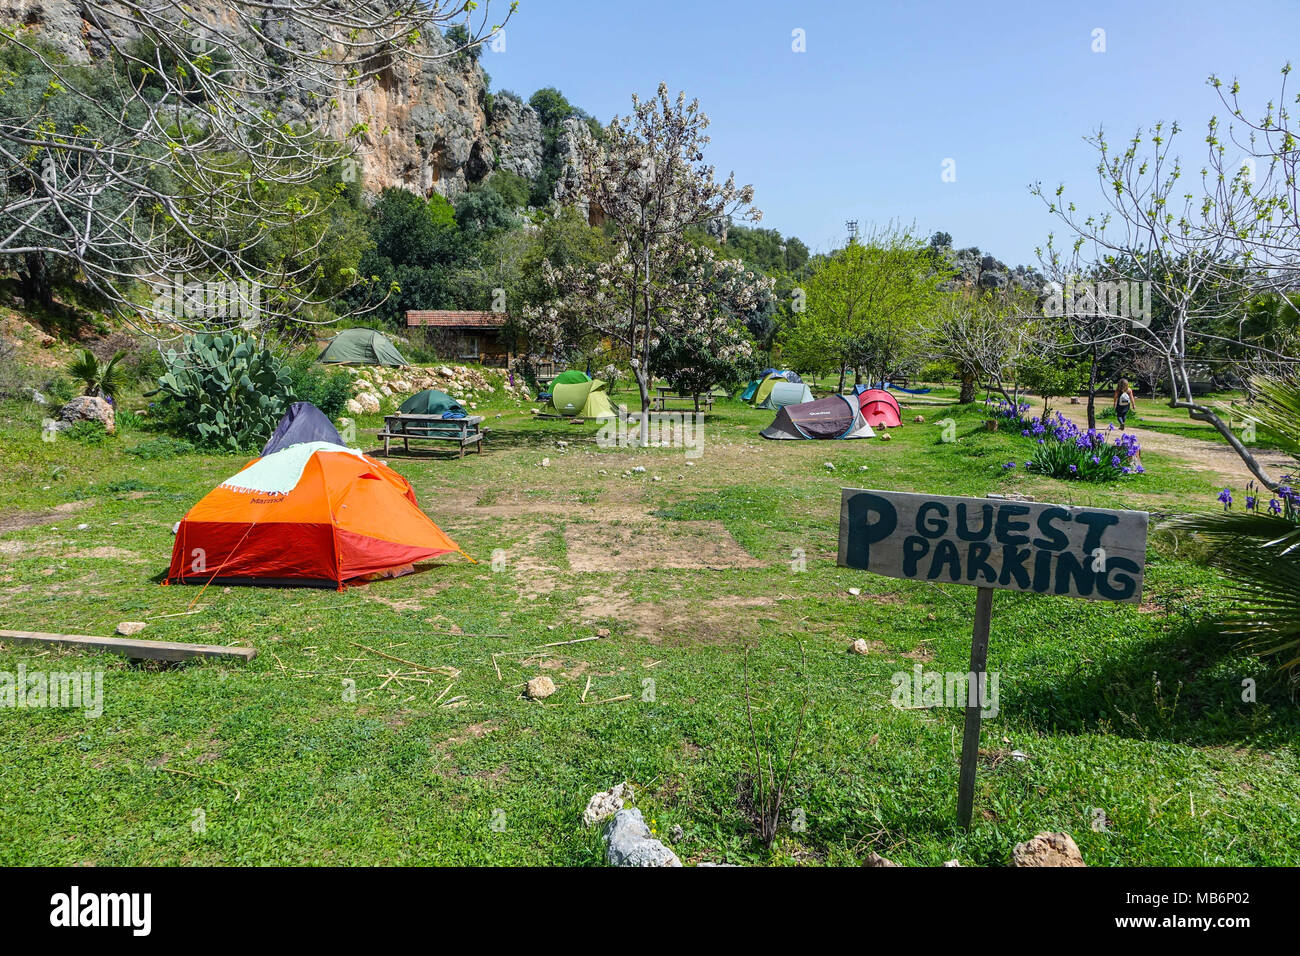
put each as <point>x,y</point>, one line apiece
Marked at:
<point>970,740</point>
<point>1092,553</point>
<point>150,650</point>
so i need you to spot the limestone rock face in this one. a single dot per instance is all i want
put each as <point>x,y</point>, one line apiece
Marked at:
<point>426,127</point>
<point>516,136</point>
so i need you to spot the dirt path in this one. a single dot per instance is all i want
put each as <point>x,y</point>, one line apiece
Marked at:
<point>1215,457</point>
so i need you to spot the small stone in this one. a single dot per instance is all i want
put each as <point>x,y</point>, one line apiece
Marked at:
<point>952,863</point>
<point>855,591</point>
<point>127,628</point>
<point>546,463</point>
<point>885,436</point>
<point>83,526</point>
<point>919,419</point>
<point>875,859</point>
<point>829,466</point>
<point>540,687</point>
<point>675,833</point>
<point>602,632</point>
<point>1047,849</point>
<point>859,646</point>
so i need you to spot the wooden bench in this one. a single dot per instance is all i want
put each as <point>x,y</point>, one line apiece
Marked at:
<point>665,395</point>
<point>466,432</point>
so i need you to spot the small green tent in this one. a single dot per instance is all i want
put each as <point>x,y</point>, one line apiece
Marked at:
<point>575,395</point>
<point>361,347</point>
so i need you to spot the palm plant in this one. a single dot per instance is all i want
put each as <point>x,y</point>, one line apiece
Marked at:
<point>104,378</point>
<point>1258,548</point>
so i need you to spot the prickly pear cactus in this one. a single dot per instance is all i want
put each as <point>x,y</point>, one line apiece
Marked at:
<point>227,389</point>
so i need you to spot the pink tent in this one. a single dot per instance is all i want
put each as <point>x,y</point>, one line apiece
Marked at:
<point>880,409</point>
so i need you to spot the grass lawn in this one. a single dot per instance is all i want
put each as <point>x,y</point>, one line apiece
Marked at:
<point>1131,715</point>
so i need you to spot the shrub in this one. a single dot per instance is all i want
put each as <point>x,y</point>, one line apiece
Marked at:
<point>326,388</point>
<point>225,390</point>
<point>87,433</point>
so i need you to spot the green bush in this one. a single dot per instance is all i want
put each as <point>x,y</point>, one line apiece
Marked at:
<point>326,388</point>
<point>224,390</point>
<point>87,433</point>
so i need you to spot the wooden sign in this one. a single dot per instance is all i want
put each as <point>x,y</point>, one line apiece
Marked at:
<point>990,543</point>
<point>1090,553</point>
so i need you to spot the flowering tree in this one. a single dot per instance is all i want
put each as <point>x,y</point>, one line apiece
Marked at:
<point>646,177</point>
<point>696,356</point>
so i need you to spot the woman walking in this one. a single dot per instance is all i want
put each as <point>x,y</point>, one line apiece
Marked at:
<point>1125,401</point>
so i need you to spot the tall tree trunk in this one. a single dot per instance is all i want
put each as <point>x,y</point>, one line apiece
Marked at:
<point>967,387</point>
<point>839,389</point>
<point>643,386</point>
<point>1092,387</point>
<point>34,280</point>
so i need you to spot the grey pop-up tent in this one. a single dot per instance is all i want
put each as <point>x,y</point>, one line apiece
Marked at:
<point>833,417</point>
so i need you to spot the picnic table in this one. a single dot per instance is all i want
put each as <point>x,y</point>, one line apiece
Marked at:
<point>464,431</point>
<point>665,394</point>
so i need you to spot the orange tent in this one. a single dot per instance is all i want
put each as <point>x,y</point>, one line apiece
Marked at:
<point>312,513</point>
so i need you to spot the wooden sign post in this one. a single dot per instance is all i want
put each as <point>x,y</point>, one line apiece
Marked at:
<point>1092,553</point>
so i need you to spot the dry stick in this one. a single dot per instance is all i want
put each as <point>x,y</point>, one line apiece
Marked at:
<point>420,667</point>
<point>583,699</point>
<point>444,693</point>
<point>186,773</point>
<point>607,700</point>
<point>580,640</point>
<point>495,668</point>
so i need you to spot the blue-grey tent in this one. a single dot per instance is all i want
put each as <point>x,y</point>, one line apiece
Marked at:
<point>303,422</point>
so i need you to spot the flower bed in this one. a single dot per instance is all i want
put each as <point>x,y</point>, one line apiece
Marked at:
<point>1064,450</point>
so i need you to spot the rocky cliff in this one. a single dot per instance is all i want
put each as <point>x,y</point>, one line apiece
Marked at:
<point>427,121</point>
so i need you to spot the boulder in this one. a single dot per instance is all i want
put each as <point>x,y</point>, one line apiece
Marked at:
<point>630,843</point>
<point>860,646</point>
<point>87,408</point>
<point>540,687</point>
<point>1047,849</point>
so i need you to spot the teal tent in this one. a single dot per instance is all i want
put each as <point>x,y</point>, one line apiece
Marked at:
<point>361,347</point>
<point>431,402</point>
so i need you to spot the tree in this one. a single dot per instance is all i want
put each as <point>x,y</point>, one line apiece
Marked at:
<point>866,300</point>
<point>647,177</point>
<point>986,334</point>
<point>694,356</point>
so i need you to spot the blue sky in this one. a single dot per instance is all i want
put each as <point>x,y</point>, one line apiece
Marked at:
<point>859,125</point>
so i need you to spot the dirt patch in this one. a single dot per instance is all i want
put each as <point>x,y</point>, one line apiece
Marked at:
<point>922,653</point>
<point>18,520</point>
<point>117,554</point>
<point>642,544</point>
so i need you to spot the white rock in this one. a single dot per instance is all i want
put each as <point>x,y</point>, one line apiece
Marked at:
<point>855,591</point>
<point>127,628</point>
<point>631,843</point>
<point>546,463</point>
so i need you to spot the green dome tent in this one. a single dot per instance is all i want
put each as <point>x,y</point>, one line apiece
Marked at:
<point>574,395</point>
<point>361,347</point>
